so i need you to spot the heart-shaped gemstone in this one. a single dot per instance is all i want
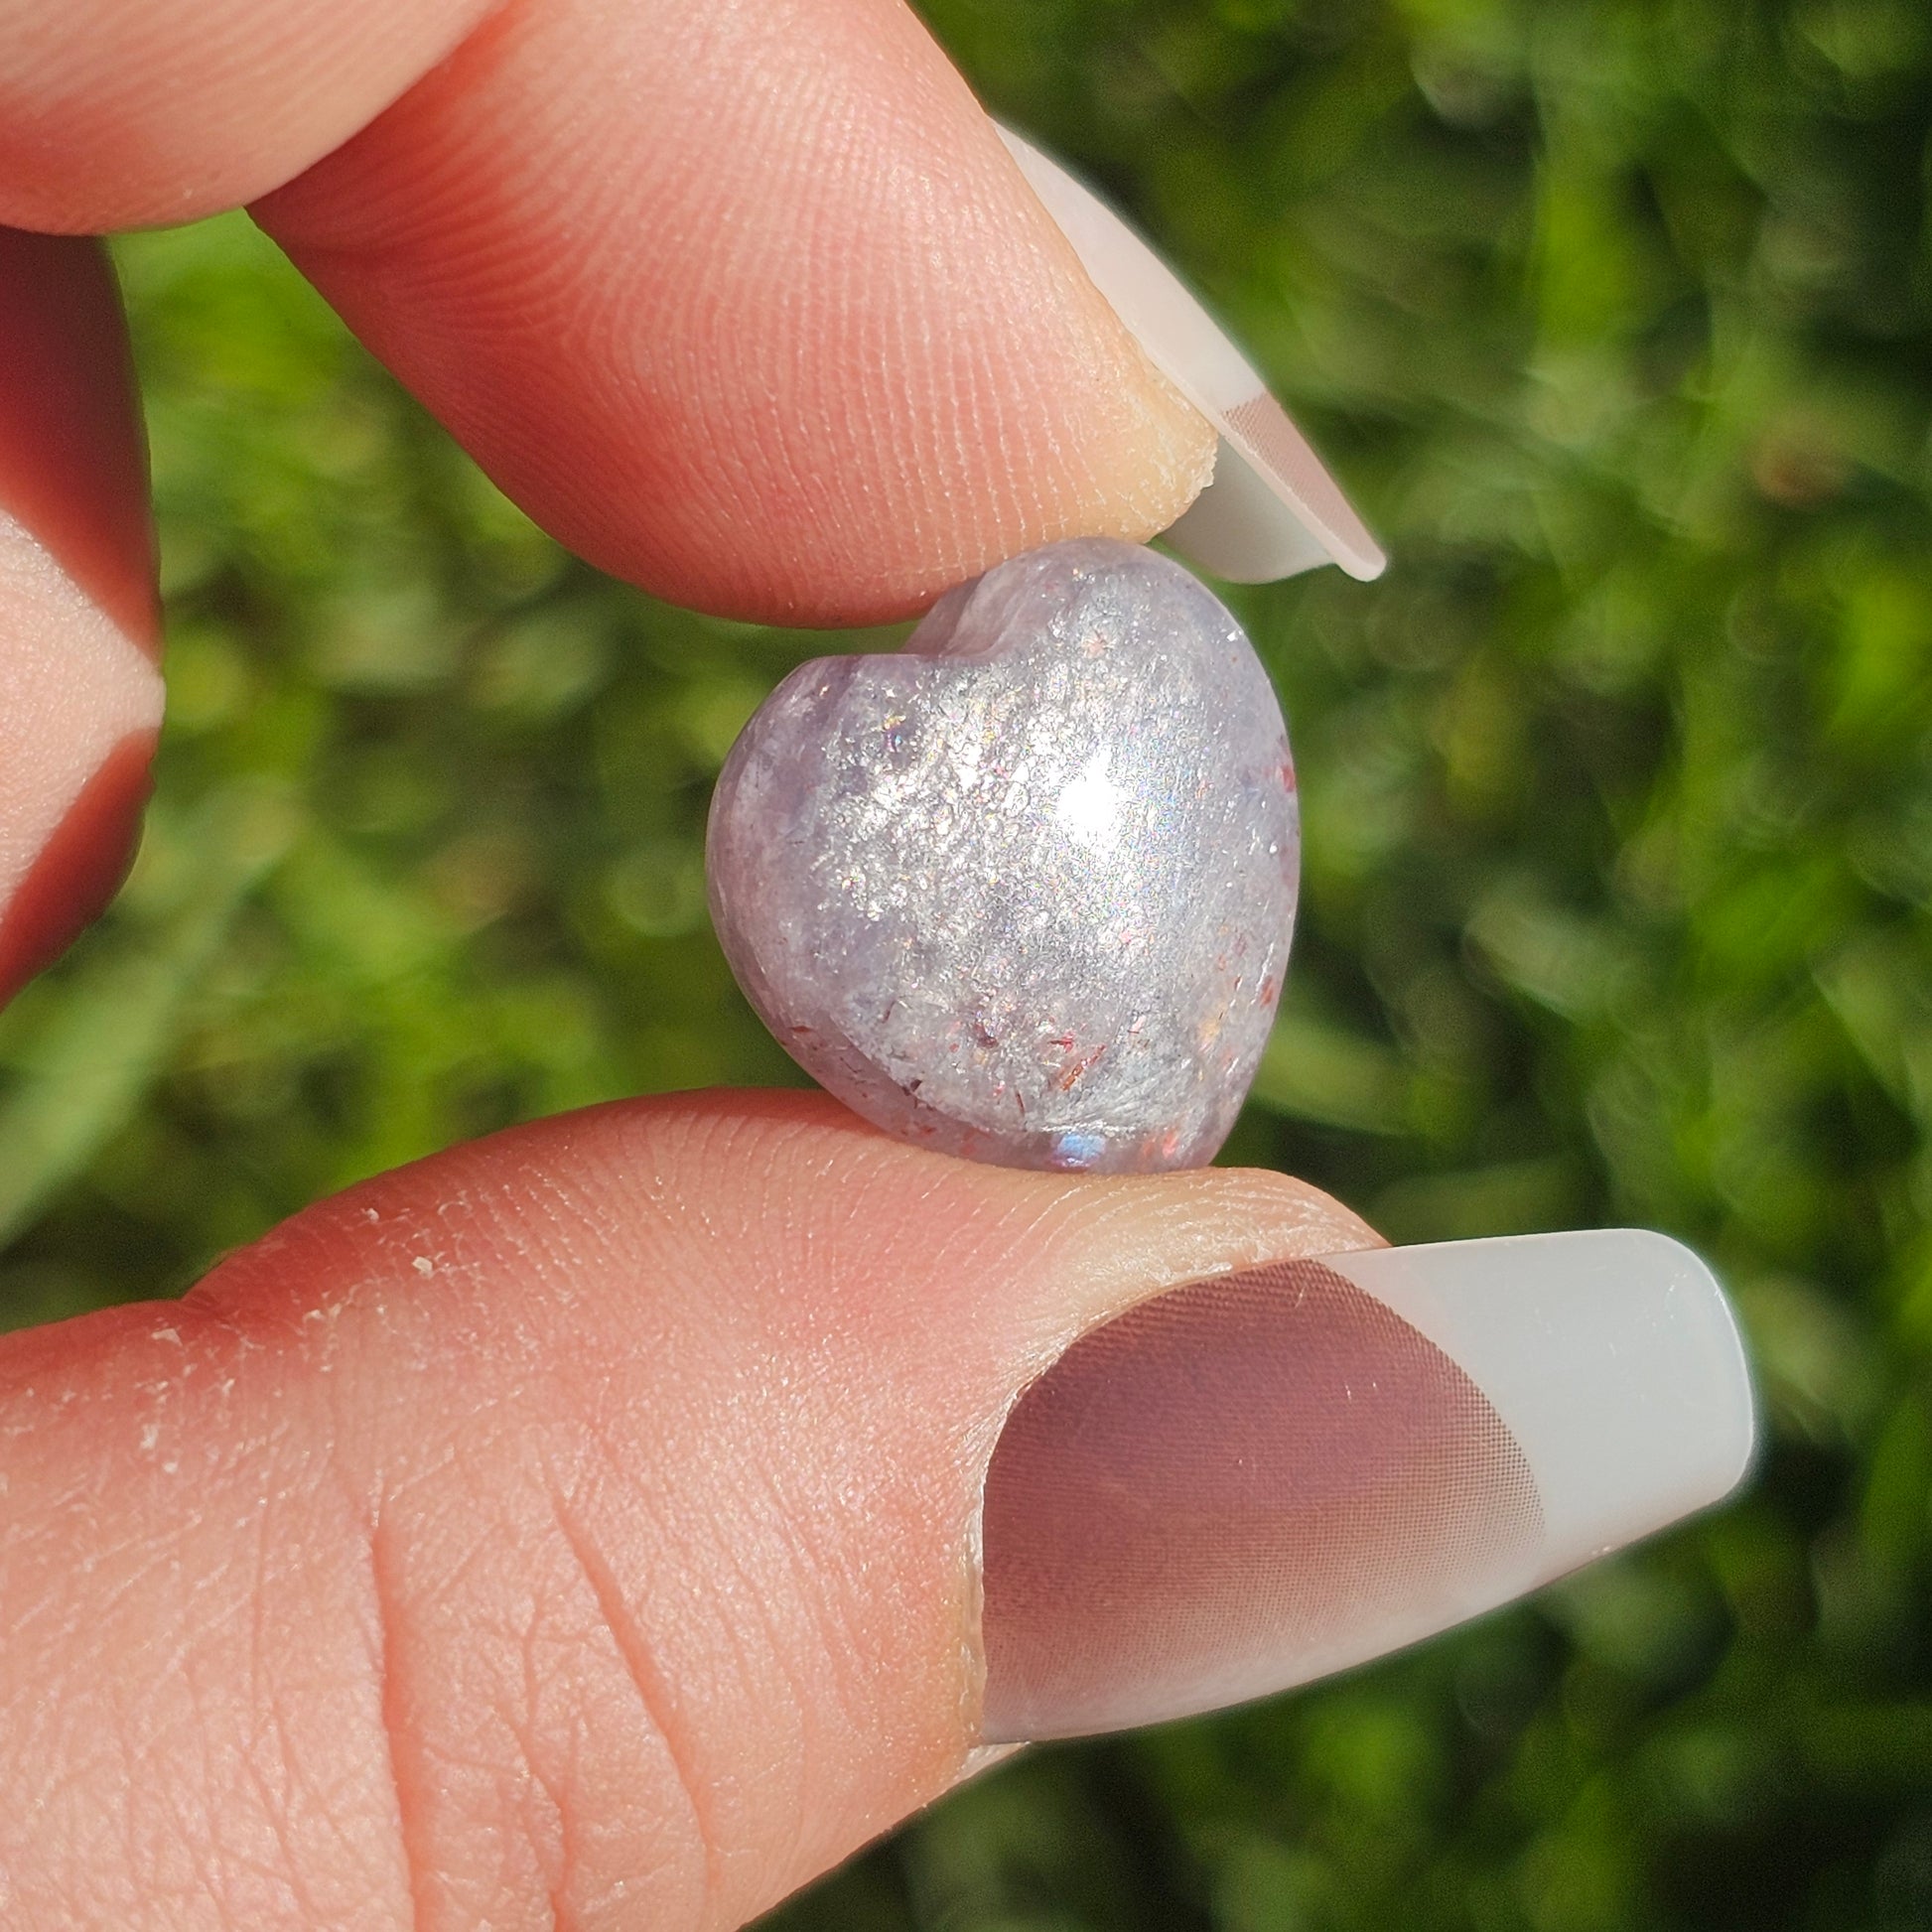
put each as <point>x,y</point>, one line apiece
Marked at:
<point>1022,890</point>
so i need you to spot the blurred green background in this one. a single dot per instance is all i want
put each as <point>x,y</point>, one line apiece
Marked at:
<point>1618,317</point>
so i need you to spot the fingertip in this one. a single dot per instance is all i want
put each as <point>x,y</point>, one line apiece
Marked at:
<point>750,306</point>
<point>82,866</point>
<point>80,696</point>
<point>81,713</point>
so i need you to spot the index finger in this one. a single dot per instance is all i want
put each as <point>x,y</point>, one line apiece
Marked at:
<point>745,302</point>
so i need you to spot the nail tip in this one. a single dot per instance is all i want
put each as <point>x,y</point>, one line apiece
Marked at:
<point>1612,1357</point>
<point>1277,510</point>
<point>1735,1453</point>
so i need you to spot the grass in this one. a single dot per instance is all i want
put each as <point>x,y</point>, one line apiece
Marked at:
<point>1618,792</point>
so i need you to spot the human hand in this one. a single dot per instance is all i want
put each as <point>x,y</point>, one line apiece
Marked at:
<point>584,1522</point>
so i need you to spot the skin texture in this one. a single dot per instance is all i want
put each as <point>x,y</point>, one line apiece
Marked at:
<point>576,1527</point>
<point>131,113</point>
<point>546,1525</point>
<point>809,317</point>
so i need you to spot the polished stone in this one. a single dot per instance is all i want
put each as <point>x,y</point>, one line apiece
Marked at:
<point>1022,890</point>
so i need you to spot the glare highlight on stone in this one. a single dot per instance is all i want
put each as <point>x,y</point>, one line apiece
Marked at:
<point>1089,807</point>
<point>1022,890</point>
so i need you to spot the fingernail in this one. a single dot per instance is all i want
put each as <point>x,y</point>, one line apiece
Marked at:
<point>1254,1480</point>
<point>1273,508</point>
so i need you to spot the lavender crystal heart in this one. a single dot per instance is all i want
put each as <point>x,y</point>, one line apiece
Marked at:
<point>1024,890</point>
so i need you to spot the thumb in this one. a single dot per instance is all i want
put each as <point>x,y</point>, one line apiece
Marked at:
<point>585,1526</point>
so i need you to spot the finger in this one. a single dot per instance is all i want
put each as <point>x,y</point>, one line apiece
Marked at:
<point>747,303</point>
<point>79,692</point>
<point>585,1526</point>
<point>118,116</point>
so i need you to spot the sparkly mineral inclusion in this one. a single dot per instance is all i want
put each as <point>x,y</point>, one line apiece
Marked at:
<point>1023,892</point>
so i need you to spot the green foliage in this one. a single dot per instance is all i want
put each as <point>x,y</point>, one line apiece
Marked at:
<point>1618,318</point>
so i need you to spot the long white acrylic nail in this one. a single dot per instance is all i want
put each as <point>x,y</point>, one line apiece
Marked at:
<point>1611,1355</point>
<point>1259,1478</point>
<point>1271,510</point>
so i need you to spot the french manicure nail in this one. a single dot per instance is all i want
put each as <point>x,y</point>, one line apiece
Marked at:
<point>1271,510</point>
<point>1253,1481</point>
